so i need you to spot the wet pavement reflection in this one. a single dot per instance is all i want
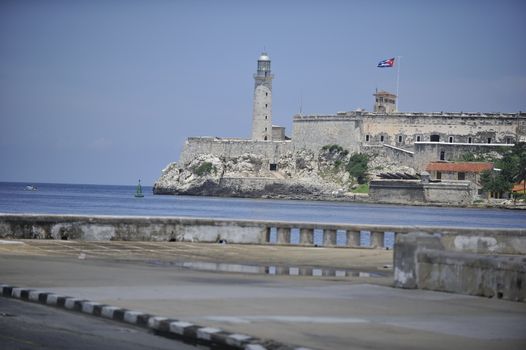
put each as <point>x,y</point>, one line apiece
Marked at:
<point>270,269</point>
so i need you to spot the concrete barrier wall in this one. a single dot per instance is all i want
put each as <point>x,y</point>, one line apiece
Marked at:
<point>35,226</point>
<point>129,228</point>
<point>489,264</point>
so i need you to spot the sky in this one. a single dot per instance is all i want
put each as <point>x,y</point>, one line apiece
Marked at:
<point>107,91</point>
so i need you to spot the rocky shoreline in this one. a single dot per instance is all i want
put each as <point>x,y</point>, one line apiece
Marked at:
<point>300,175</point>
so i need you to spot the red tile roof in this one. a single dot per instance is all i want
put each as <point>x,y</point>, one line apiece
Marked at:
<point>519,187</point>
<point>462,167</point>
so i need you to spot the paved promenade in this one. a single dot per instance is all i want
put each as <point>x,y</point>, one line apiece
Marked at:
<point>338,311</point>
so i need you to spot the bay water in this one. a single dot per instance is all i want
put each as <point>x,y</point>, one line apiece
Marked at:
<point>120,200</point>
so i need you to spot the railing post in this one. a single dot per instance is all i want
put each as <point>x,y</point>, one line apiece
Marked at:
<point>329,238</point>
<point>283,235</point>
<point>281,270</point>
<point>377,239</point>
<point>353,238</point>
<point>306,236</point>
<point>305,271</point>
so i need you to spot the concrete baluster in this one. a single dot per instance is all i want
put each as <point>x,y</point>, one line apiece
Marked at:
<point>353,238</point>
<point>377,239</point>
<point>305,271</point>
<point>282,270</point>
<point>329,238</point>
<point>306,236</point>
<point>283,235</point>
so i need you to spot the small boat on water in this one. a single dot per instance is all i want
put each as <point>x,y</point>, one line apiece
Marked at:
<point>138,191</point>
<point>30,188</point>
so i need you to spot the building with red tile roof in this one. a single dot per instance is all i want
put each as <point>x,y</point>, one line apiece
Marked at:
<point>469,171</point>
<point>457,167</point>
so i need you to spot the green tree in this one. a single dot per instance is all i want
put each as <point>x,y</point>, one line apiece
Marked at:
<point>358,166</point>
<point>512,167</point>
<point>495,182</point>
<point>204,169</point>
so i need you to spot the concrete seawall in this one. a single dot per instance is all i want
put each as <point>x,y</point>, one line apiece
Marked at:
<point>129,228</point>
<point>86,227</point>
<point>485,262</point>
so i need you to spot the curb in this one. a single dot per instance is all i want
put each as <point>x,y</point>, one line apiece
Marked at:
<point>163,326</point>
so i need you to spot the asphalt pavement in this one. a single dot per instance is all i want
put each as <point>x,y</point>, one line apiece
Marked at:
<point>31,326</point>
<point>315,311</point>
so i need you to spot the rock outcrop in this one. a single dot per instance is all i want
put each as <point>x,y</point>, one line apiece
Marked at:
<point>301,174</point>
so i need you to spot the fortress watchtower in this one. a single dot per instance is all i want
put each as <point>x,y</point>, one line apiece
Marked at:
<point>262,111</point>
<point>385,102</point>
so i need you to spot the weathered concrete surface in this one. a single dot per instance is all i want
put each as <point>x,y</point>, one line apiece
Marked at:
<point>317,313</point>
<point>483,264</point>
<point>89,227</point>
<point>405,263</point>
<point>461,193</point>
<point>30,226</point>
<point>501,276</point>
<point>396,191</point>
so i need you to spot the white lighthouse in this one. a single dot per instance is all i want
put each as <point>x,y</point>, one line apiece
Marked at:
<point>262,112</point>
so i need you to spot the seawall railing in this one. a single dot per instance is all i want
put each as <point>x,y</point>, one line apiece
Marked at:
<point>89,227</point>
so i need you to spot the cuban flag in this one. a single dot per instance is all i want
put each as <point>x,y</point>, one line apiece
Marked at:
<point>386,63</point>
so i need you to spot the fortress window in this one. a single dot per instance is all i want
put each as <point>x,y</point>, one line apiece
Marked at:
<point>435,138</point>
<point>439,175</point>
<point>508,140</point>
<point>418,139</point>
<point>273,167</point>
<point>450,139</point>
<point>265,138</point>
<point>461,176</point>
<point>469,140</point>
<point>265,129</point>
<point>266,104</point>
<point>266,117</point>
<point>442,155</point>
<point>400,139</point>
<point>489,139</point>
<point>367,138</point>
<point>266,93</point>
<point>382,138</point>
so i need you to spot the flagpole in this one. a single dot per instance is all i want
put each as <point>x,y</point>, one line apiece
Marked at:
<point>397,82</point>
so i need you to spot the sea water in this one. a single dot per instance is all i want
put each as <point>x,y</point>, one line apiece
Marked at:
<point>120,200</point>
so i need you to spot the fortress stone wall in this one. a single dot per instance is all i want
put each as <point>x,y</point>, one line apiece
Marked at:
<point>413,139</point>
<point>232,148</point>
<point>404,129</point>
<point>314,132</point>
<point>356,130</point>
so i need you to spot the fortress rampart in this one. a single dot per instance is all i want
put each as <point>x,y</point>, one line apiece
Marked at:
<point>425,134</point>
<point>354,130</point>
<point>231,148</point>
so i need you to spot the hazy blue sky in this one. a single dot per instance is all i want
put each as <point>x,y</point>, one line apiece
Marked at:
<point>107,91</point>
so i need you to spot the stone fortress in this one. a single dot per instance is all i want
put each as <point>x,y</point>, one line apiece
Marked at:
<point>271,164</point>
